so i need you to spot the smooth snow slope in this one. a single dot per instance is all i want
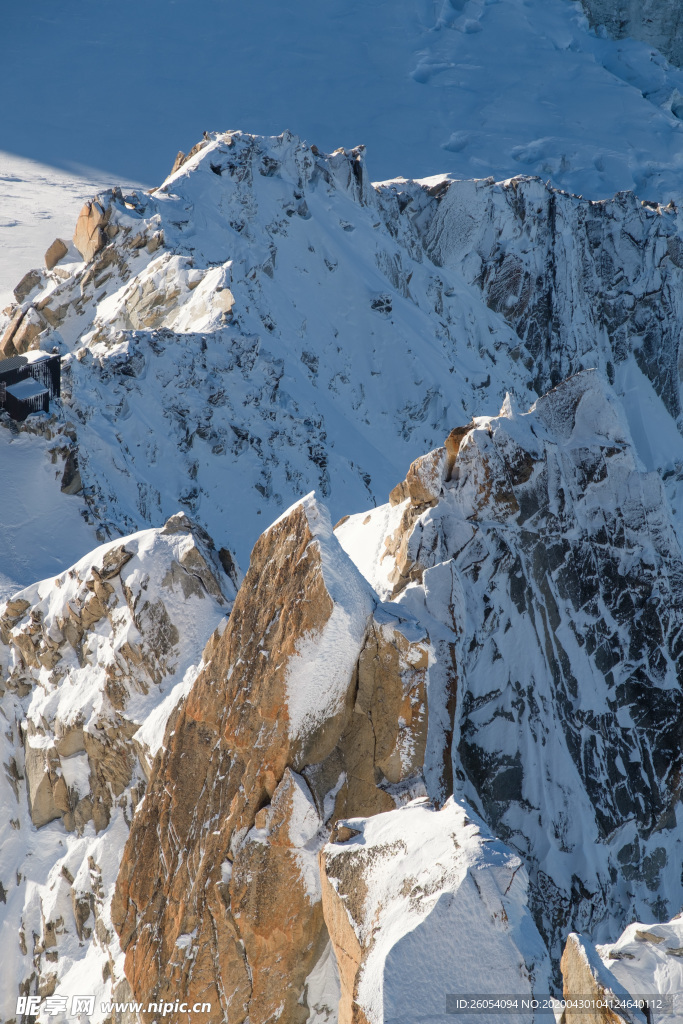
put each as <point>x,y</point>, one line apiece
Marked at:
<point>41,529</point>
<point>472,87</point>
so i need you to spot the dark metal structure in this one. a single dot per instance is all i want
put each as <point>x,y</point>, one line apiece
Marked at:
<point>27,386</point>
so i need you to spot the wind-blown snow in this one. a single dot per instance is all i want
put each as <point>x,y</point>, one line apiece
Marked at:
<point>444,913</point>
<point>648,960</point>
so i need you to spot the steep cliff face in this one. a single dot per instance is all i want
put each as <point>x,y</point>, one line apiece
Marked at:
<point>657,22</point>
<point>508,640</point>
<point>583,284</point>
<point>587,980</point>
<point>92,664</point>
<point>312,706</point>
<point>312,711</point>
<point>549,560</point>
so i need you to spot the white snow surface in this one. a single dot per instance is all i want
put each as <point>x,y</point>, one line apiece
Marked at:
<point>323,990</point>
<point>647,959</point>
<point>471,87</point>
<point>38,203</point>
<point>445,913</point>
<point>42,530</point>
<point>319,672</point>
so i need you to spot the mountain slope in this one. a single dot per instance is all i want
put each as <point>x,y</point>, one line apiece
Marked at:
<point>93,662</point>
<point>544,564</point>
<point>268,322</point>
<point>500,644</point>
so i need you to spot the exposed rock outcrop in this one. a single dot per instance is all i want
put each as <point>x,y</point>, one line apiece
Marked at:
<point>657,22</point>
<point>310,707</point>
<point>86,659</point>
<point>559,630</point>
<point>93,229</point>
<point>587,979</point>
<point>56,252</point>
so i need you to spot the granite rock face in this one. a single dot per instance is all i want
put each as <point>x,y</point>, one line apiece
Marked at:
<point>584,284</point>
<point>309,707</point>
<point>586,977</point>
<point>309,724</point>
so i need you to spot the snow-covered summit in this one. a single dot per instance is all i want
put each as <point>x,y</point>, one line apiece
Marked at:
<point>268,322</point>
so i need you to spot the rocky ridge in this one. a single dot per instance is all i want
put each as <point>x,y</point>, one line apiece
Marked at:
<point>549,560</point>
<point>313,708</point>
<point>493,657</point>
<point>249,311</point>
<point>92,664</point>
<point>331,786</point>
<point>490,536</point>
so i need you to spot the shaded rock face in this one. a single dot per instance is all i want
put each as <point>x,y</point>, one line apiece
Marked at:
<point>657,22</point>
<point>583,284</point>
<point>92,664</point>
<point>551,558</point>
<point>308,708</point>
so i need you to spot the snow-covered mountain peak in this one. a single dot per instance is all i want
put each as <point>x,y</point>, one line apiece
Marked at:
<point>269,318</point>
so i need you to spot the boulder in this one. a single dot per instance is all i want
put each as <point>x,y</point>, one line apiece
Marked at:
<point>29,329</point>
<point>42,773</point>
<point>7,348</point>
<point>28,283</point>
<point>90,234</point>
<point>55,253</point>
